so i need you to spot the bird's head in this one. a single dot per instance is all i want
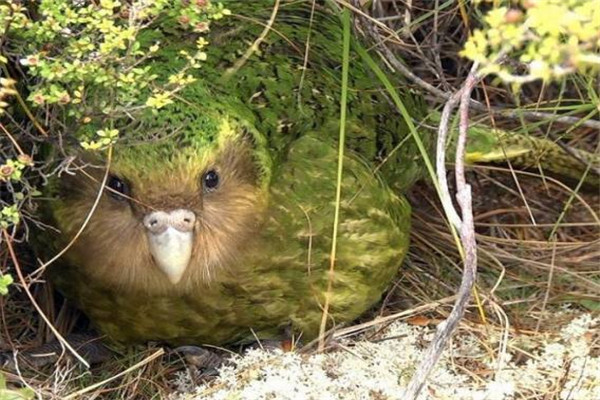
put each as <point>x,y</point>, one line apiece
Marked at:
<point>172,214</point>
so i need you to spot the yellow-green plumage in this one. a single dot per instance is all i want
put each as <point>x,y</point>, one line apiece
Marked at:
<point>262,239</point>
<point>280,279</point>
<point>259,257</point>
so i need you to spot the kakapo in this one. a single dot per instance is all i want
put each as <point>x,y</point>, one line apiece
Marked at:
<point>222,229</point>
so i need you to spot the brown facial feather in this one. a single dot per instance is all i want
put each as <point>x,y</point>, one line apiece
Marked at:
<point>114,249</point>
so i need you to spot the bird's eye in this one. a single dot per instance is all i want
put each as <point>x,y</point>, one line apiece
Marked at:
<point>119,188</point>
<point>210,180</point>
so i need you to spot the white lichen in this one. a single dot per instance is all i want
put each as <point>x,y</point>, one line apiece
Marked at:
<point>381,370</point>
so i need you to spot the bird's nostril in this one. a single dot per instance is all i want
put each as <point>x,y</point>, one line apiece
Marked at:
<point>159,221</point>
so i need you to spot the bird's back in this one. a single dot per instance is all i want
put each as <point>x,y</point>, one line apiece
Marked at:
<point>288,81</point>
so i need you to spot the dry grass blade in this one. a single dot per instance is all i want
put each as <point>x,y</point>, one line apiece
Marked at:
<point>61,339</point>
<point>158,353</point>
<point>340,171</point>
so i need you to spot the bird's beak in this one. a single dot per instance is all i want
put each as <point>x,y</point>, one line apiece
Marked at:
<point>171,237</point>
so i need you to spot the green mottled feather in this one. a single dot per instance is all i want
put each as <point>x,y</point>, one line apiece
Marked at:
<point>292,118</point>
<point>290,115</point>
<point>283,100</point>
<point>282,281</point>
<point>526,151</point>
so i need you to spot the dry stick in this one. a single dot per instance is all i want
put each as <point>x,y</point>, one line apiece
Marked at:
<point>440,160</point>
<point>12,139</point>
<point>352,330</point>
<point>467,237</point>
<point>26,109</point>
<point>466,226</point>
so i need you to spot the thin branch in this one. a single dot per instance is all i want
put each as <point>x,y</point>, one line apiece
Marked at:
<point>467,237</point>
<point>440,159</point>
<point>24,107</point>
<point>548,285</point>
<point>537,115</point>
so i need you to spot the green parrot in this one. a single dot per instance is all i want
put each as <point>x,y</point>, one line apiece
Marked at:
<point>221,229</point>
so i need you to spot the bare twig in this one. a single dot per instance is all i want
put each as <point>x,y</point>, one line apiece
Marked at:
<point>441,161</point>
<point>538,115</point>
<point>463,196</point>
<point>354,329</point>
<point>465,226</point>
<point>24,107</point>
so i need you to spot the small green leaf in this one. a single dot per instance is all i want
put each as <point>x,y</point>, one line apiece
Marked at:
<point>5,281</point>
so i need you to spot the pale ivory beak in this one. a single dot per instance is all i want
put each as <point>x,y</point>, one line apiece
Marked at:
<point>171,237</point>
